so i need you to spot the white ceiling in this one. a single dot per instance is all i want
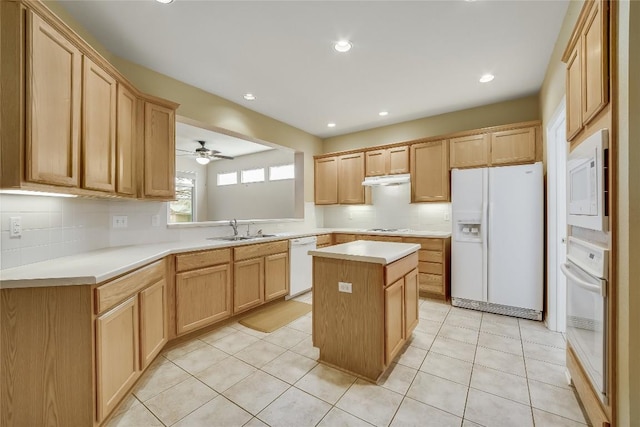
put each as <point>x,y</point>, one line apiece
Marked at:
<point>188,135</point>
<point>412,58</point>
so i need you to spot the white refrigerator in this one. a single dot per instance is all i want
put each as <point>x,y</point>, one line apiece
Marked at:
<point>497,244</point>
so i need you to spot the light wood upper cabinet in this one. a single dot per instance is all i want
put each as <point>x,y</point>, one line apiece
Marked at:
<point>387,161</point>
<point>53,103</point>
<point>574,93</point>
<point>595,73</point>
<point>376,162</point>
<point>248,279</point>
<point>126,137</point>
<point>469,151</point>
<point>587,59</point>
<point>117,354</point>
<point>159,151</point>
<point>276,276</point>
<point>513,146</point>
<point>350,177</point>
<point>326,181</point>
<point>98,128</point>
<point>203,297</point>
<point>153,322</point>
<point>430,172</point>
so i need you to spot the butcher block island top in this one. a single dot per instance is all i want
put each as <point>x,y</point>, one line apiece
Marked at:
<point>365,304</point>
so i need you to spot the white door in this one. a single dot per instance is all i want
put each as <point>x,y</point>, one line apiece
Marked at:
<point>516,236</point>
<point>556,219</point>
<point>468,257</point>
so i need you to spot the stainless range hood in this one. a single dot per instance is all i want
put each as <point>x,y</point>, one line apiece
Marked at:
<point>373,181</point>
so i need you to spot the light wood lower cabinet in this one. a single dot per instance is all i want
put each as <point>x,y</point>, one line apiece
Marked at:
<point>276,276</point>
<point>394,320</point>
<point>153,322</point>
<point>411,297</point>
<point>203,297</point>
<point>248,289</point>
<point>117,354</point>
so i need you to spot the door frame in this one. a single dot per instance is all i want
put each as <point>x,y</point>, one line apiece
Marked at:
<point>556,218</point>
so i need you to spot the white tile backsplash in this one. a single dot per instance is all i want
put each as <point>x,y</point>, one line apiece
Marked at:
<point>391,208</point>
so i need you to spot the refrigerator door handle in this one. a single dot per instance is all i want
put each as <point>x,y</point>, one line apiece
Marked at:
<point>485,233</point>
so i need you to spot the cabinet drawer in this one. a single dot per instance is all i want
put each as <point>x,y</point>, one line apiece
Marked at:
<point>323,239</point>
<point>430,256</point>
<point>344,238</point>
<point>202,259</point>
<point>262,249</point>
<point>425,243</point>
<point>431,283</point>
<point>399,268</point>
<point>430,267</point>
<point>378,238</point>
<point>111,293</point>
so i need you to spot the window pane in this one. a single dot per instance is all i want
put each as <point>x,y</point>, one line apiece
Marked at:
<point>228,178</point>
<point>252,175</point>
<point>181,210</point>
<point>277,173</point>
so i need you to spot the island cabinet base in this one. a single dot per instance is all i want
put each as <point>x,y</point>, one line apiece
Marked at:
<point>362,331</point>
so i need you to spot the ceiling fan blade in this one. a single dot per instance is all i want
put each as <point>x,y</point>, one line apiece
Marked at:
<point>220,156</point>
<point>186,151</point>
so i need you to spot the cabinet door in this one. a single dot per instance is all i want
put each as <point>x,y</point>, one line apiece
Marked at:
<point>574,92</point>
<point>202,297</point>
<point>326,181</point>
<point>595,71</point>
<point>394,336</point>
<point>430,172</point>
<point>398,160</point>
<point>350,177</point>
<point>153,322</point>
<point>469,151</point>
<point>53,93</point>
<point>411,290</point>
<point>376,162</point>
<point>125,142</point>
<point>248,280</point>
<point>159,151</point>
<point>513,146</point>
<point>117,354</point>
<point>276,276</point>
<point>98,128</point>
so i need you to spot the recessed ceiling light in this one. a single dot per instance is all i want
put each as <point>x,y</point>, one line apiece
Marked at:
<point>383,113</point>
<point>165,1</point>
<point>249,96</point>
<point>486,78</point>
<point>331,125</point>
<point>343,46</point>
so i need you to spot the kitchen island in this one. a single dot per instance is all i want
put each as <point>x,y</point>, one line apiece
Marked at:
<point>365,304</point>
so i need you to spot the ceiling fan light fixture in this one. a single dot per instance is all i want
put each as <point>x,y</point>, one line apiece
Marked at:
<point>203,160</point>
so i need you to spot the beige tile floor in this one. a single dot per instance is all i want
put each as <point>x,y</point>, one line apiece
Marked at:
<point>461,368</point>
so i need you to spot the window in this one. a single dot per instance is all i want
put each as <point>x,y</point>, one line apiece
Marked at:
<point>277,173</point>
<point>183,208</point>
<point>252,175</point>
<point>228,178</point>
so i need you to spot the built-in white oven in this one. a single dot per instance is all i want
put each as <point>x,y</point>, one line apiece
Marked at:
<point>586,272</point>
<point>586,182</point>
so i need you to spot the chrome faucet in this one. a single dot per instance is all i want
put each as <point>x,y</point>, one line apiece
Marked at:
<point>234,223</point>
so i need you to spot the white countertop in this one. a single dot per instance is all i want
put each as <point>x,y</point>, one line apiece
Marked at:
<point>100,265</point>
<point>368,251</point>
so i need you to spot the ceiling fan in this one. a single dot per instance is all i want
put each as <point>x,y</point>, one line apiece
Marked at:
<point>203,154</point>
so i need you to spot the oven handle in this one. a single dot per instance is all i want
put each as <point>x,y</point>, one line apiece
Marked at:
<point>598,289</point>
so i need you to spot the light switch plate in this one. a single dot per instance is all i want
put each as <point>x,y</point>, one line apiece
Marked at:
<point>345,287</point>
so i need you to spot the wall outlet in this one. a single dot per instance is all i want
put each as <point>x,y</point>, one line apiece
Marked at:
<point>119,221</point>
<point>155,220</point>
<point>344,287</point>
<point>15,228</point>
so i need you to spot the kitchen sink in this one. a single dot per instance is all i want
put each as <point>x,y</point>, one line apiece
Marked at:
<point>240,238</point>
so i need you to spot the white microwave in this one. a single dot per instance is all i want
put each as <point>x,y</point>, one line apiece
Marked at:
<point>586,183</point>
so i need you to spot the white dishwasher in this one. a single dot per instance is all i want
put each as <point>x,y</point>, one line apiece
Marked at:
<point>300,269</point>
